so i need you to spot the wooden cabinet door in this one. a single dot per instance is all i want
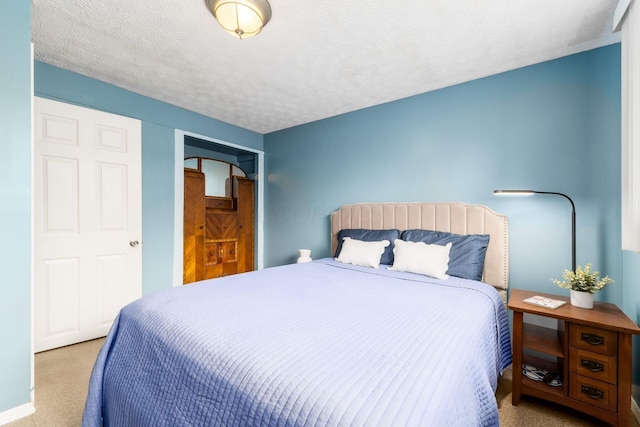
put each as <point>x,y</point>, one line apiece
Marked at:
<point>244,192</point>
<point>193,227</point>
<point>221,259</point>
<point>221,226</point>
<point>227,252</point>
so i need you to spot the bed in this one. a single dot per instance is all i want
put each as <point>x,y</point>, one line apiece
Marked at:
<point>324,343</point>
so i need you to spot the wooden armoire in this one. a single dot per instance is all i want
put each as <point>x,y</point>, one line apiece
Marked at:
<point>218,231</point>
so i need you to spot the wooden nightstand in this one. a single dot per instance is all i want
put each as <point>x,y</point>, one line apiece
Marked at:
<point>590,350</point>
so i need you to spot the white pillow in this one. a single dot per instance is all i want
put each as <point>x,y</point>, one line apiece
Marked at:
<point>359,252</point>
<point>421,258</point>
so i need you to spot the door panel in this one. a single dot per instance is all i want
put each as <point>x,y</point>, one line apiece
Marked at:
<point>112,192</point>
<point>60,201</point>
<point>113,285</point>
<point>62,288</point>
<point>87,210</point>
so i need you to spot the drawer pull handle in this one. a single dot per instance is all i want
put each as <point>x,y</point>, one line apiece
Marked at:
<point>592,339</point>
<point>592,365</point>
<point>593,393</point>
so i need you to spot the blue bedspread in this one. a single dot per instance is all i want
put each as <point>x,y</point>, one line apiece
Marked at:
<point>315,344</point>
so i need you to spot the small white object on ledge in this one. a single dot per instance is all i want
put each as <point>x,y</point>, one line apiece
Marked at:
<point>305,256</point>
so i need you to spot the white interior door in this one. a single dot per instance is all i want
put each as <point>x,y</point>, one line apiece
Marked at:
<point>87,220</point>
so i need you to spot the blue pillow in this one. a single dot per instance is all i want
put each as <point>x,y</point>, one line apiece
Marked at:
<point>371,236</point>
<point>466,258</point>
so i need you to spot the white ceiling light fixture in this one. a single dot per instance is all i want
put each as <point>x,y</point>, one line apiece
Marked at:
<point>241,18</point>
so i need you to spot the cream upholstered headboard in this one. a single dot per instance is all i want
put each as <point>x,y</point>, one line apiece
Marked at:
<point>459,218</point>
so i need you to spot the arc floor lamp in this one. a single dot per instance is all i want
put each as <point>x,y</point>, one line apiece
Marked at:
<point>573,214</point>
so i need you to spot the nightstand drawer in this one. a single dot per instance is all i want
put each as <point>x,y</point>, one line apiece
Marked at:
<point>593,339</point>
<point>593,392</point>
<point>593,365</point>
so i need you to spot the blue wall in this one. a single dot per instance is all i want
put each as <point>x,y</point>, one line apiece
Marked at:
<point>15,204</point>
<point>158,141</point>
<point>553,126</point>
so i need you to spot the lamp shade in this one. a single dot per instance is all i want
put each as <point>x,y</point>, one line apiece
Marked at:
<point>514,192</point>
<point>241,18</point>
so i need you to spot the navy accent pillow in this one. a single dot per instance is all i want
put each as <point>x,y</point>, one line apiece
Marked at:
<point>371,236</point>
<point>466,258</point>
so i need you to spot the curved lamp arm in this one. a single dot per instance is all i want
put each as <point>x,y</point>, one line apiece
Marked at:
<point>573,214</point>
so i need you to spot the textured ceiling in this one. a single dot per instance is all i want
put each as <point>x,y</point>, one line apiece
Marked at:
<point>315,58</point>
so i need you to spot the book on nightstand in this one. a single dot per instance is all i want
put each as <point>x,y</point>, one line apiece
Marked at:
<point>545,302</point>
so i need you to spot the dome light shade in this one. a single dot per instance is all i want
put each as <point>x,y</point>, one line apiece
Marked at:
<point>241,18</point>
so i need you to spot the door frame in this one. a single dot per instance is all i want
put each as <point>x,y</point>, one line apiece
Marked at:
<point>179,200</point>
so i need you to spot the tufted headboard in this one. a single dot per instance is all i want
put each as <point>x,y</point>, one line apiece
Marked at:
<point>459,218</point>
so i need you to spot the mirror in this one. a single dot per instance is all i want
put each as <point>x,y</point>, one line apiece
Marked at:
<point>217,174</point>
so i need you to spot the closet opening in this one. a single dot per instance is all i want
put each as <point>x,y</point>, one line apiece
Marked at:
<point>219,208</point>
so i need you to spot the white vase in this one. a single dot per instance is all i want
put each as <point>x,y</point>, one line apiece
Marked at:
<point>305,256</point>
<point>581,299</point>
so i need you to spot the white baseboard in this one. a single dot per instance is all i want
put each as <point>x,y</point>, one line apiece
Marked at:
<point>16,413</point>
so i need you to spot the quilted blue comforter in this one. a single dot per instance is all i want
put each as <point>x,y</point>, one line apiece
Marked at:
<point>315,344</point>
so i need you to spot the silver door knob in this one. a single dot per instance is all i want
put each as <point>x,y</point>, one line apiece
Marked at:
<point>134,243</point>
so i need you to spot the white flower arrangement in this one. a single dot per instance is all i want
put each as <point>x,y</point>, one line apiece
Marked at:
<point>583,280</point>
